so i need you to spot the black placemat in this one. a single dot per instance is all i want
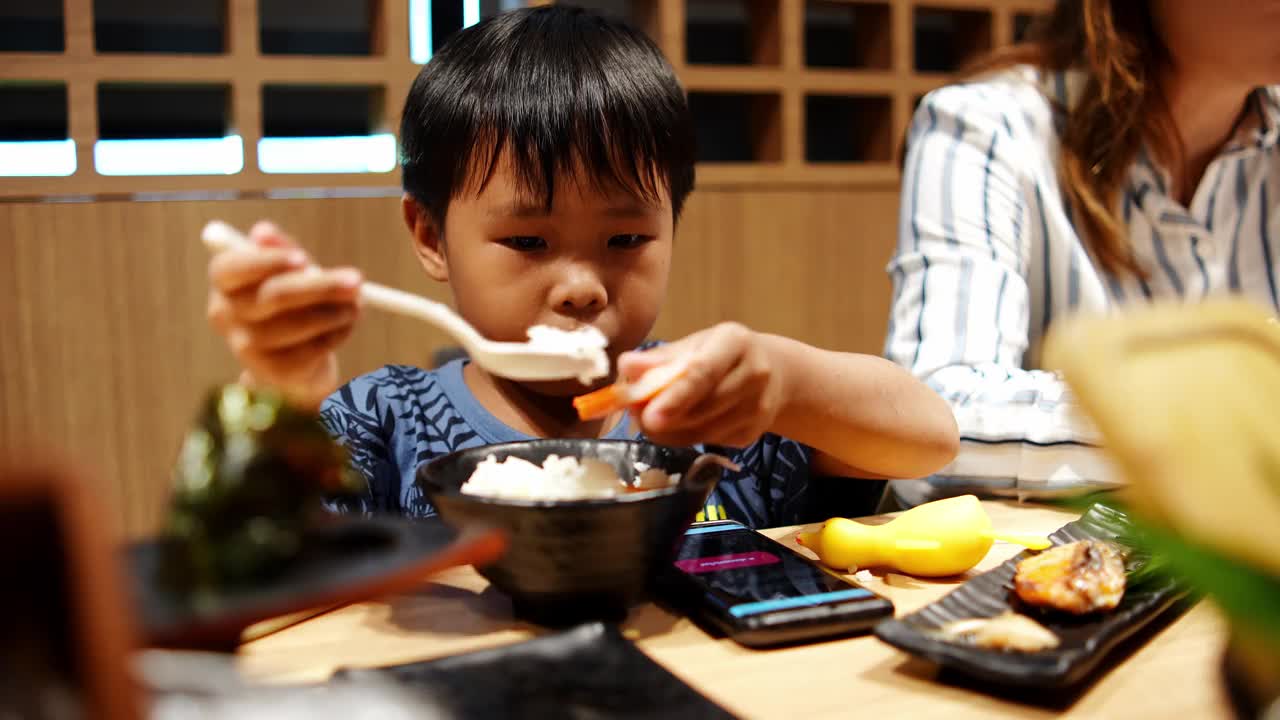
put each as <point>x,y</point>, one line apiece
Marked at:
<point>587,672</point>
<point>1085,641</point>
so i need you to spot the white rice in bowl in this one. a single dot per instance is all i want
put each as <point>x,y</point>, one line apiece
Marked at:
<point>559,478</point>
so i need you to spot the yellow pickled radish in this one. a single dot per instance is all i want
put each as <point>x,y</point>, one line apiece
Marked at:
<point>940,538</point>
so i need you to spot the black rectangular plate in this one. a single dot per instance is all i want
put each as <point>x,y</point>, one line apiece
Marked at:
<point>1085,641</point>
<point>338,557</point>
<point>590,671</point>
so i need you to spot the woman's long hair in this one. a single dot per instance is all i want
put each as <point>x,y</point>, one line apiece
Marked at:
<point>1119,108</point>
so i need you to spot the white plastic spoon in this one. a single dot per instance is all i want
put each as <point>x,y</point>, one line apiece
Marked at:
<point>550,354</point>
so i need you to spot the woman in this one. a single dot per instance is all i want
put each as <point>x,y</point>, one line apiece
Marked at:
<point>1126,154</point>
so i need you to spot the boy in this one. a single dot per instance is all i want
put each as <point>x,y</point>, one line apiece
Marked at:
<point>547,154</point>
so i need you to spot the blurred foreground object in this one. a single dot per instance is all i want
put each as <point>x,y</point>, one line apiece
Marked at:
<point>66,627</point>
<point>249,538</point>
<point>1187,399</point>
<point>251,477</point>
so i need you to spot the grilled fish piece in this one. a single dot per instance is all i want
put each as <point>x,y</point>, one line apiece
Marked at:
<point>1010,632</point>
<point>1079,578</point>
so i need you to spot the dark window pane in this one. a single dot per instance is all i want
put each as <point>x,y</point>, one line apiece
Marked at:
<point>1022,24</point>
<point>624,10</point>
<point>641,14</point>
<point>842,129</point>
<point>163,26</point>
<point>734,127</point>
<point>132,112</point>
<point>34,111</point>
<point>716,33</point>
<point>315,27</point>
<point>847,35</point>
<point>946,40</point>
<point>317,111</point>
<point>31,26</point>
<point>446,19</point>
<point>732,32</point>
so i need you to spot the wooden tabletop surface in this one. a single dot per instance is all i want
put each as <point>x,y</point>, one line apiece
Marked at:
<point>1175,673</point>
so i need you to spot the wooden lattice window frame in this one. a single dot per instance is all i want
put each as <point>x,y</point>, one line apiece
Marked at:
<point>245,71</point>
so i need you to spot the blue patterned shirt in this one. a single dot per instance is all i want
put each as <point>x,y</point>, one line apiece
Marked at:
<point>396,418</point>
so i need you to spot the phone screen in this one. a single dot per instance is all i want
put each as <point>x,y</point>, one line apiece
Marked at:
<point>747,573</point>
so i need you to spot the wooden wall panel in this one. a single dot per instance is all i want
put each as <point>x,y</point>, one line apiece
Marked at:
<point>808,263</point>
<point>105,352</point>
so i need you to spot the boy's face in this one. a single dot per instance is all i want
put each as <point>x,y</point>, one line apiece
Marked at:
<point>597,258</point>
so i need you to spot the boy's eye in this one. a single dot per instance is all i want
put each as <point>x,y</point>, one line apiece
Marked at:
<point>525,243</point>
<point>628,241</point>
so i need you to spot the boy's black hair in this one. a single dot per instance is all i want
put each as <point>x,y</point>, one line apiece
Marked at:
<point>563,90</point>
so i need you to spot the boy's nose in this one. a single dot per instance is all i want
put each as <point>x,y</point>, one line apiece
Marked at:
<point>580,290</point>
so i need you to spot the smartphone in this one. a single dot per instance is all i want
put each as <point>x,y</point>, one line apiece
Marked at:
<point>762,593</point>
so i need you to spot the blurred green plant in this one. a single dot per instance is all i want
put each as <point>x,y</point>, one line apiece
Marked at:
<point>251,478</point>
<point>1186,399</point>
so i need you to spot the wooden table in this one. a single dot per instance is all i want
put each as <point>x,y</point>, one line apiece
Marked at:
<point>1175,674</point>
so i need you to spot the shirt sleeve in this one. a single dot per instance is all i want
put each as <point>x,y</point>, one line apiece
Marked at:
<point>777,486</point>
<point>971,210</point>
<point>361,420</point>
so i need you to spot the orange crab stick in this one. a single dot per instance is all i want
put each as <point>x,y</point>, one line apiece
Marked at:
<point>624,394</point>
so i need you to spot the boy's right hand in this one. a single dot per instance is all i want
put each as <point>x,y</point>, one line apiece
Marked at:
<point>282,316</point>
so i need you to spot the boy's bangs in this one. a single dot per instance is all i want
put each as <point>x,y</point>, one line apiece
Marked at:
<point>590,159</point>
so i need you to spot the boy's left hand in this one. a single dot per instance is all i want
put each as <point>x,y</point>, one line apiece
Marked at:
<point>730,393</point>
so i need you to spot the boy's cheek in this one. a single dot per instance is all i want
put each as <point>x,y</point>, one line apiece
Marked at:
<point>498,308</point>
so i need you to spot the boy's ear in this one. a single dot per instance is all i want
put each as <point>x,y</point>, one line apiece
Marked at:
<point>428,241</point>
